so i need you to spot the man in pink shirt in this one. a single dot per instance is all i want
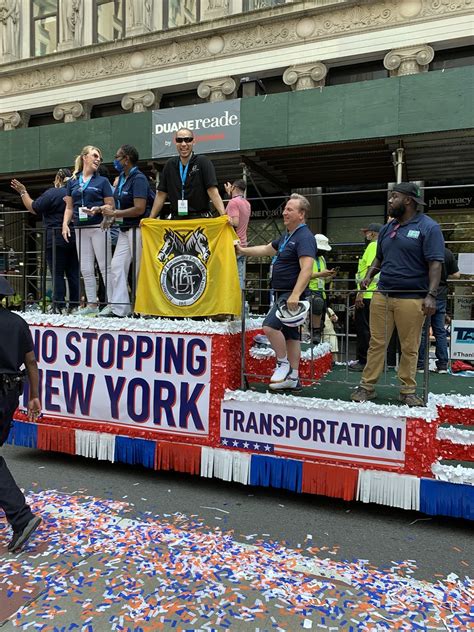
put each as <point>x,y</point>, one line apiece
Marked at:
<point>238,210</point>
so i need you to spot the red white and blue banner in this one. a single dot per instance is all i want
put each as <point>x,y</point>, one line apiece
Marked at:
<point>313,434</point>
<point>153,381</point>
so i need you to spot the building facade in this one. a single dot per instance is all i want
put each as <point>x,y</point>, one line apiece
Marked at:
<point>332,93</point>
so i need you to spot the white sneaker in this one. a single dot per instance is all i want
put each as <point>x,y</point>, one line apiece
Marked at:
<point>290,384</point>
<point>107,311</point>
<point>281,372</point>
<point>88,311</point>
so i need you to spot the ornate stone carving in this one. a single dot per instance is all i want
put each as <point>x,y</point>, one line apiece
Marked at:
<point>139,17</point>
<point>305,76</point>
<point>217,89</point>
<point>71,14</point>
<point>246,33</point>
<point>72,111</point>
<point>409,60</point>
<point>12,120</point>
<point>9,30</point>
<point>141,101</point>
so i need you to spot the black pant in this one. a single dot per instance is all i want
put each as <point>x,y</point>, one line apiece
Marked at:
<point>362,327</point>
<point>65,263</point>
<point>12,500</point>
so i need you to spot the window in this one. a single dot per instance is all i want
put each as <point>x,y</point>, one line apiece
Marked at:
<point>109,20</point>
<point>44,32</point>
<point>181,12</point>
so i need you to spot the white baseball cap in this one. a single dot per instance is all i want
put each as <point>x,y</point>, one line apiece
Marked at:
<point>322,242</point>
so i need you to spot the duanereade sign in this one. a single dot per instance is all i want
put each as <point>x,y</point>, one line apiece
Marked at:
<point>215,126</point>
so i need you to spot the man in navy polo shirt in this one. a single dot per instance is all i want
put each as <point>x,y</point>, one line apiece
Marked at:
<point>188,182</point>
<point>410,253</point>
<point>293,256</point>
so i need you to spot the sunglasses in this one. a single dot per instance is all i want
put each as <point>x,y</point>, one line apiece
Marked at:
<point>183,139</point>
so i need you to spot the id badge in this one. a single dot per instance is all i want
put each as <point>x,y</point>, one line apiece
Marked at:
<point>182,207</point>
<point>83,216</point>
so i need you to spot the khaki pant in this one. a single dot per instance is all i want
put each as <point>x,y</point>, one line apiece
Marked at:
<point>406,314</point>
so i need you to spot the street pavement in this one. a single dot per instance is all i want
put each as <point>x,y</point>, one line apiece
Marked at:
<point>125,548</point>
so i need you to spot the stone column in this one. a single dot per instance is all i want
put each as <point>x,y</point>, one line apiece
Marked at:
<point>217,89</point>
<point>141,101</point>
<point>305,76</point>
<point>10,27</point>
<point>72,111</point>
<point>13,120</point>
<point>71,24</point>
<point>408,61</point>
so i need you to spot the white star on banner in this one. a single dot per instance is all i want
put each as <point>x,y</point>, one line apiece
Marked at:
<point>224,441</point>
<point>267,448</point>
<point>256,446</point>
<point>246,445</point>
<point>235,444</point>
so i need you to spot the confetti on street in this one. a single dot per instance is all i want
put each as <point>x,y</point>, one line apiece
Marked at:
<point>94,565</point>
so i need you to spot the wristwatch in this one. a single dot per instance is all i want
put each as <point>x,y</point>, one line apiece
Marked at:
<point>433,293</point>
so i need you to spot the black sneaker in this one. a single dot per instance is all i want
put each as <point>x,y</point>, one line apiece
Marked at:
<point>357,366</point>
<point>20,538</point>
<point>442,369</point>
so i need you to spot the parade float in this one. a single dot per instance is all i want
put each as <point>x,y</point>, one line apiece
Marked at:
<point>167,394</point>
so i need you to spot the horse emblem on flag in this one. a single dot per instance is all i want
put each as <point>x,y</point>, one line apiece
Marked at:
<point>184,257</point>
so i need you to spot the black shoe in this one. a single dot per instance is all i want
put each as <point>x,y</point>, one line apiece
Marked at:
<point>20,538</point>
<point>357,366</point>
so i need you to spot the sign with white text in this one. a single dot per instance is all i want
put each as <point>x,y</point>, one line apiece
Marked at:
<point>314,434</point>
<point>215,127</point>
<point>152,381</point>
<point>462,339</point>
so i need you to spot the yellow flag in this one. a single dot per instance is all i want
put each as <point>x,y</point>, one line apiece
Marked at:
<point>188,268</point>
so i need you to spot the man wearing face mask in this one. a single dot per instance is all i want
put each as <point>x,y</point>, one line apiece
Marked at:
<point>410,253</point>
<point>363,298</point>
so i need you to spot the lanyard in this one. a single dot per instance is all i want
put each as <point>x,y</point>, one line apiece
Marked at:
<point>183,172</point>
<point>122,179</point>
<point>83,186</point>
<point>282,246</point>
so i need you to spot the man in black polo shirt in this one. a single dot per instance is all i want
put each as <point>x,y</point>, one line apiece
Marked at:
<point>188,181</point>
<point>16,349</point>
<point>410,252</point>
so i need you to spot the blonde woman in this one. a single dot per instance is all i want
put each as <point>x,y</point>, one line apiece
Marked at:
<point>87,193</point>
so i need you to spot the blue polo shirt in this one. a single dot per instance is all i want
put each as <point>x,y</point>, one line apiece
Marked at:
<point>286,263</point>
<point>406,254</point>
<point>50,208</point>
<point>135,185</point>
<point>91,193</point>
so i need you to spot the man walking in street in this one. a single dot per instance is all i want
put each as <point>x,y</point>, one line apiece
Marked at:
<point>16,349</point>
<point>363,298</point>
<point>238,210</point>
<point>293,255</point>
<point>410,252</point>
<point>188,181</point>
<point>449,270</point>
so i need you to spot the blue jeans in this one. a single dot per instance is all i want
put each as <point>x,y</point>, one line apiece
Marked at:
<point>439,332</point>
